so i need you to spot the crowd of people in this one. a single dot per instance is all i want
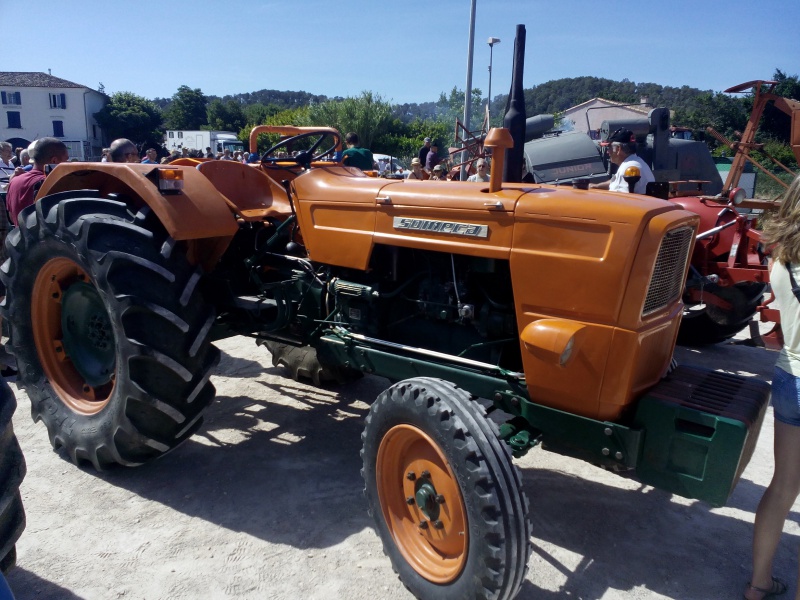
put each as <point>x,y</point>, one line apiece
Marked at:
<point>429,164</point>
<point>154,155</point>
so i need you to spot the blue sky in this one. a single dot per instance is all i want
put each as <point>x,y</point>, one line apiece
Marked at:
<point>405,51</point>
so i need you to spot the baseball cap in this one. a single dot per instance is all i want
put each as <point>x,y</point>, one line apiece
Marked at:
<point>415,161</point>
<point>437,168</point>
<point>427,140</point>
<point>620,136</point>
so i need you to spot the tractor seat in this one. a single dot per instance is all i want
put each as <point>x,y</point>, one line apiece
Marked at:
<point>249,192</point>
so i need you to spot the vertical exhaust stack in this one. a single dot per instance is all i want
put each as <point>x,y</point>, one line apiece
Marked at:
<point>514,120</point>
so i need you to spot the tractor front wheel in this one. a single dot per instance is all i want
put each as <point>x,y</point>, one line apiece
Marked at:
<point>446,498</point>
<point>108,328</point>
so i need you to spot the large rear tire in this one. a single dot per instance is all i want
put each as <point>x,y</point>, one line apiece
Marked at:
<point>446,498</point>
<point>12,470</point>
<point>109,330</point>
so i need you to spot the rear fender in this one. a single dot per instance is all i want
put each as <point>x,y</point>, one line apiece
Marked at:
<point>199,211</point>
<point>711,215</point>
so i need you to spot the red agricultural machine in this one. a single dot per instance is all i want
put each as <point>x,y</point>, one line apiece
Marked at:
<point>763,92</point>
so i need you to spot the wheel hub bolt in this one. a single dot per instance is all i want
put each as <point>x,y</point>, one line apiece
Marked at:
<point>437,524</point>
<point>423,524</point>
<point>410,500</point>
<point>439,499</point>
<point>425,474</point>
<point>411,476</point>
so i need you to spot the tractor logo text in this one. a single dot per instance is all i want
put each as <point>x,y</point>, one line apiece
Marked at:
<point>449,227</point>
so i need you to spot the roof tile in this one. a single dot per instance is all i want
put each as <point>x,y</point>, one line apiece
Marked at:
<point>32,79</point>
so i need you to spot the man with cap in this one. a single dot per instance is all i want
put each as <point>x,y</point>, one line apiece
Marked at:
<point>423,152</point>
<point>433,158</point>
<point>439,174</point>
<point>621,147</point>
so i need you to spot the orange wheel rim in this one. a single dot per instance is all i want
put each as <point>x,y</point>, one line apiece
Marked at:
<point>48,290</point>
<point>422,503</point>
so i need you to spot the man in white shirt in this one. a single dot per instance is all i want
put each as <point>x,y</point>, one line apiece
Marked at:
<point>6,153</point>
<point>481,175</point>
<point>622,152</point>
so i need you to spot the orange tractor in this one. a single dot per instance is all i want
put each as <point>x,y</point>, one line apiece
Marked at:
<point>556,310</point>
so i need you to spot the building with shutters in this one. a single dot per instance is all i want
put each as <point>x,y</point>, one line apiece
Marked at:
<point>36,105</point>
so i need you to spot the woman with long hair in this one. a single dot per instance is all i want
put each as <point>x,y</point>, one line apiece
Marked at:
<point>782,233</point>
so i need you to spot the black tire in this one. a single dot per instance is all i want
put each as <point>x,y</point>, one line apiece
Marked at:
<point>712,325</point>
<point>431,423</point>
<point>12,470</point>
<point>114,294</point>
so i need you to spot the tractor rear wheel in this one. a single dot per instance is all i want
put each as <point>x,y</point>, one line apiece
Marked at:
<point>711,324</point>
<point>12,470</point>
<point>445,495</point>
<point>108,328</point>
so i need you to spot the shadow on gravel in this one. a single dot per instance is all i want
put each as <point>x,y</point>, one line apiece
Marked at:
<point>289,472</point>
<point>641,539</point>
<point>234,366</point>
<point>747,495</point>
<point>25,584</point>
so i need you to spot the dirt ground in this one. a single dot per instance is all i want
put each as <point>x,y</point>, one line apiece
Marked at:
<point>266,502</point>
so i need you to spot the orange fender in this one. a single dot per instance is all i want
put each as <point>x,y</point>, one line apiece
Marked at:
<point>199,211</point>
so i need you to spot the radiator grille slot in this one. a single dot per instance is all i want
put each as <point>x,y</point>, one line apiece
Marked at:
<point>667,281</point>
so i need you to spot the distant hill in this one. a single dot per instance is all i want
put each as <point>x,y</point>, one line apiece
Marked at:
<point>561,94</point>
<point>552,96</point>
<point>281,99</point>
<point>276,98</point>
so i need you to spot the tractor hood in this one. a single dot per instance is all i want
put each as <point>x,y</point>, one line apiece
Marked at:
<point>344,213</point>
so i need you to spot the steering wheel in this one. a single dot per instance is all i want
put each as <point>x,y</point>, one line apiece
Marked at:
<point>306,156</point>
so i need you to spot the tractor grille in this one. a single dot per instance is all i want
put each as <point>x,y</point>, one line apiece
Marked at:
<point>667,281</point>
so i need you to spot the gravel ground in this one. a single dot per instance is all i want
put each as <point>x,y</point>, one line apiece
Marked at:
<point>265,502</point>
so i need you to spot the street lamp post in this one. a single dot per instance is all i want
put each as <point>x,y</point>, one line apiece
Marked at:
<point>492,41</point>
<point>468,89</point>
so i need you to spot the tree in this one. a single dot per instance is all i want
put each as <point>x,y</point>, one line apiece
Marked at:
<point>450,108</point>
<point>187,109</point>
<point>724,113</point>
<point>368,115</point>
<point>776,124</point>
<point>130,116</point>
<point>258,113</point>
<point>227,116</point>
<point>404,140</point>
